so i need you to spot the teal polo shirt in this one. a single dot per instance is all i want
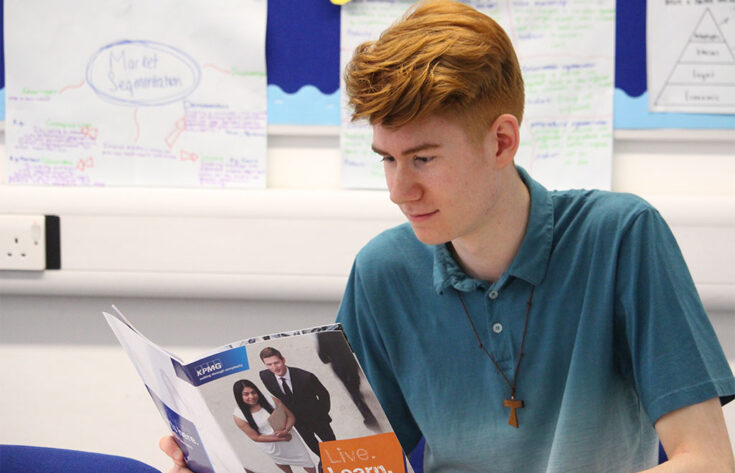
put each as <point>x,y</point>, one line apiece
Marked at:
<point>617,337</point>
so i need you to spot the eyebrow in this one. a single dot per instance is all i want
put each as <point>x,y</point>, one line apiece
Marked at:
<point>415,149</point>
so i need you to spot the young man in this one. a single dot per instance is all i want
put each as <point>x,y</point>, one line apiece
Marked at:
<point>517,329</point>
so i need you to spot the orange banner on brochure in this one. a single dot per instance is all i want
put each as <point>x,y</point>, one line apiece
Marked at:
<point>379,453</point>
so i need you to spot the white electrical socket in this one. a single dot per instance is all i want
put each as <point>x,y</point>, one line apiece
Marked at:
<point>22,242</point>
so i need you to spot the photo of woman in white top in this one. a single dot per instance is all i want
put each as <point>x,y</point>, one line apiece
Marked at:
<point>284,446</point>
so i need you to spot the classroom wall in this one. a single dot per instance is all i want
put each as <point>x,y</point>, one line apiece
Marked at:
<point>68,384</point>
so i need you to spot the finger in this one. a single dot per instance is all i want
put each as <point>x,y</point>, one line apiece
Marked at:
<point>170,448</point>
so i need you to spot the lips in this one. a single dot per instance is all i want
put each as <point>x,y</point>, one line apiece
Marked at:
<point>419,217</point>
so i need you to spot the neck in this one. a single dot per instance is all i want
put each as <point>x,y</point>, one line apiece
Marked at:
<point>255,408</point>
<point>488,252</point>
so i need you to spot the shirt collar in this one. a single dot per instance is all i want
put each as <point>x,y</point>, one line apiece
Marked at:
<point>529,263</point>
<point>286,375</point>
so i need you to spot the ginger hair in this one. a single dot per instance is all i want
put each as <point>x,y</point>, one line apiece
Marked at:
<point>441,58</point>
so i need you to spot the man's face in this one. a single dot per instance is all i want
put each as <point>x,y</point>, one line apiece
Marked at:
<point>445,183</point>
<point>275,365</point>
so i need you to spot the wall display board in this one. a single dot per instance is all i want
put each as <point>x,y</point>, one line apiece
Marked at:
<point>691,64</point>
<point>302,57</point>
<point>566,51</point>
<point>632,95</point>
<point>140,93</point>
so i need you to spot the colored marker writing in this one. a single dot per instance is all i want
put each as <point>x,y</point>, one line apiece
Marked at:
<point>142,73</point>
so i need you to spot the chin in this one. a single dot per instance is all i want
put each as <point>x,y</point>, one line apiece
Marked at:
<point>428,237</point>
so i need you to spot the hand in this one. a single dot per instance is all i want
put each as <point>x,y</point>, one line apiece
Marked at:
<point>170,448</point>
<point>285,437</point>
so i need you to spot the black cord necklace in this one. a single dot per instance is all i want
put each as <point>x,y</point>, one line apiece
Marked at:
<point>512,403</point>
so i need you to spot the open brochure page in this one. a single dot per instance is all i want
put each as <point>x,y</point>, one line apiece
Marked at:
<point>293,399</point>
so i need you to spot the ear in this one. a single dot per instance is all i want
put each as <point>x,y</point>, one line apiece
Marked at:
<point>504,137</point>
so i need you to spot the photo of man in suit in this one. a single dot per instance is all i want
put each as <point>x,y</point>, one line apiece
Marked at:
<point>303,393</point>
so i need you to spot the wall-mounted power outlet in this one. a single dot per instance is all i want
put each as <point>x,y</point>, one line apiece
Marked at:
<point>23,242</point>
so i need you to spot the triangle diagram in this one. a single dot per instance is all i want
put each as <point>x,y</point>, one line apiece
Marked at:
<point>704,74</point>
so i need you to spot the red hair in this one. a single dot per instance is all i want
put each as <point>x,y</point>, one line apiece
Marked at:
<point>442,57</point>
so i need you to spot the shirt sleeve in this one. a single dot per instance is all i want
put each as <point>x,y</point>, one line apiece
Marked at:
<point>672,350</point>
<point>363,331</point>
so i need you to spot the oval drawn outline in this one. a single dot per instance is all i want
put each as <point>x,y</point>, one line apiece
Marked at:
<point>187,60</point>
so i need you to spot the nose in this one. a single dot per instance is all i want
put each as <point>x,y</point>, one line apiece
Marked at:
<point>403,184</point>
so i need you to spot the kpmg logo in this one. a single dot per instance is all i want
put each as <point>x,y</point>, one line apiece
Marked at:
<point>213,367</point>
<point>210,366</point>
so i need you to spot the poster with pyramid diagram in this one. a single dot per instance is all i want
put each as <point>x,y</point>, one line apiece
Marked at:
<point>691,66</point>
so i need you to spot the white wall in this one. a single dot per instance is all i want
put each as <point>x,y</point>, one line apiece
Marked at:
<point>67,382</point>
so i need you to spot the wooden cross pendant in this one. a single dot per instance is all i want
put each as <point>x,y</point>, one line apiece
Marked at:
<point>513,404</point>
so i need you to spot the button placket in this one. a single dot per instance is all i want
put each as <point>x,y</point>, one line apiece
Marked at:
<point>496,327</point>
<point>496,330</point>
<point>499,328</point>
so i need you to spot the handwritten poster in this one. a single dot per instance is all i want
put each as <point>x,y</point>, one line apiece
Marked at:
<point>691,55</point>
<point>566,51</point>
<point>128,93</point>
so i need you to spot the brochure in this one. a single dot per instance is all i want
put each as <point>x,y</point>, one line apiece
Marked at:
<point>294,401</point>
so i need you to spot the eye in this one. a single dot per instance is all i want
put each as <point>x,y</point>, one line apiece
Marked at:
<point>422,159</point>
<point>387,159</point>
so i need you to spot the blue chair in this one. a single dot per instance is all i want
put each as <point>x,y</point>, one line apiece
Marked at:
<point>661,454</point>
<point>25,459</point>
<point>416,457</point>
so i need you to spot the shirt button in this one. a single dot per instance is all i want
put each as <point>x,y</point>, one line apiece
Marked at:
<point>497,327</point>
<point>493,294</point>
